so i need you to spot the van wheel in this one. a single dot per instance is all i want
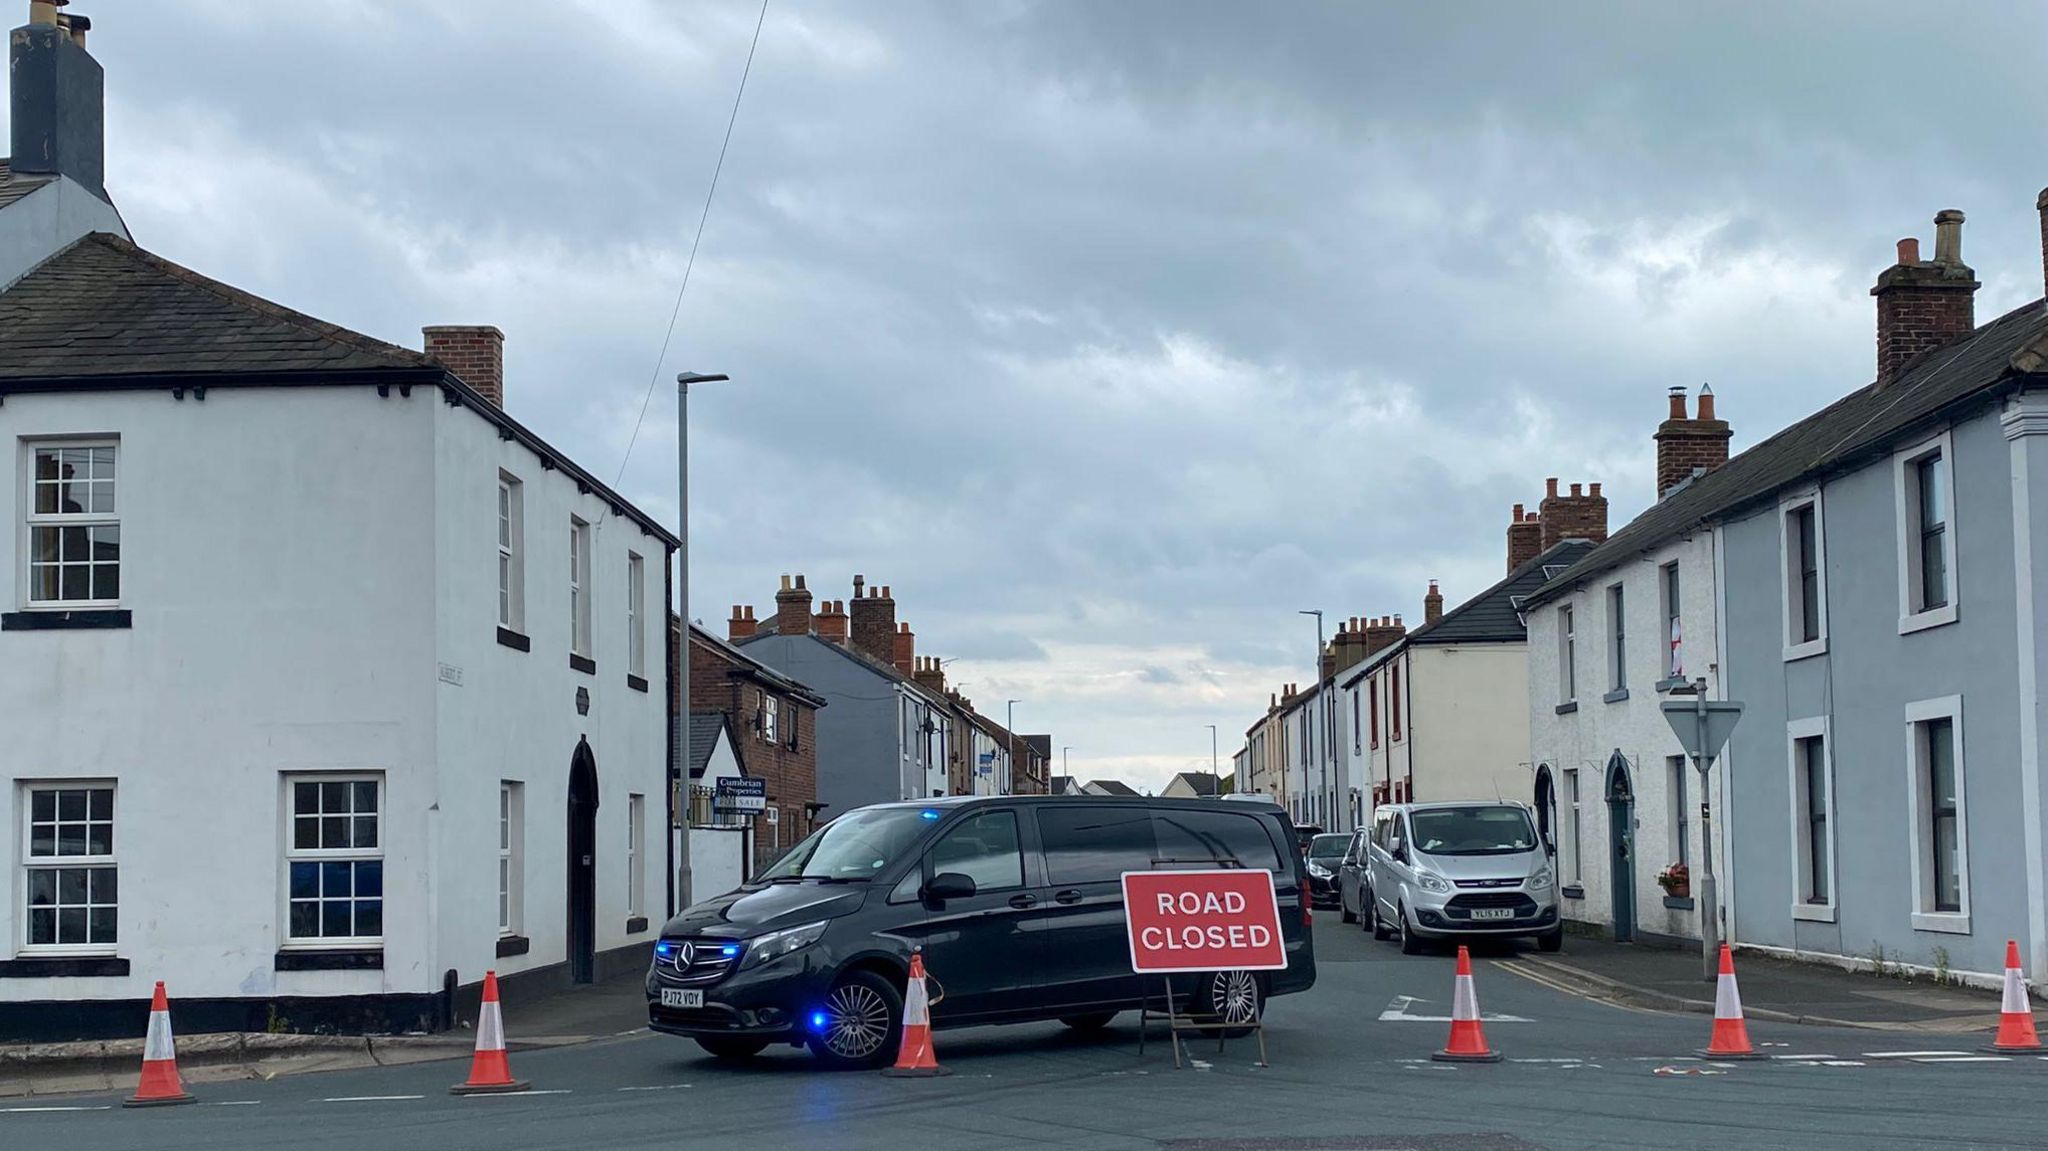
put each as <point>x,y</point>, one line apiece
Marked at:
<point>1379,926</point>
<point>1344,912</point>
<point>732,1047</point>
<point>1094,1021</point>
<point>1411,943</point>
<point>1551,941</point>
<point>863,1022</point>
<point>1233,998</point>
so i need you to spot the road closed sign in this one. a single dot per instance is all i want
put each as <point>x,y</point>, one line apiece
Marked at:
<point>1220,920</point>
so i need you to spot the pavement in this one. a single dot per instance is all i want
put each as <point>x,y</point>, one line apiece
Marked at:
<point>1772,988</point>
<point>1584,1070</point>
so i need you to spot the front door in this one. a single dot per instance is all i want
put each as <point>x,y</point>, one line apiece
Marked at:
<point>984,950</point>
<point>1621,839</point>
<point>582,878</point>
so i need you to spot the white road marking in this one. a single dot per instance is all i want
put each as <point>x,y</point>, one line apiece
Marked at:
<point>1966,1059</point>
<point>1843,1063</point>
<point>371,1098</point>
<point>1800,1058</point>
<point>1397,1012</point>
<point>40,1110</point>
<point>1908,1054</point>
<point>518,1094</point>
<point>663,1087</point>
<point>1546,1061</point>
<point>231,1103</point>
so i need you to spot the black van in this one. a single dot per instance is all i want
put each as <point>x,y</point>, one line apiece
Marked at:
<point>1016,901</point>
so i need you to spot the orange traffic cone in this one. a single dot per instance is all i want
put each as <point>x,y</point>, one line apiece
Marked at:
<point>914,1058</point>
<point>2015,1015</point>
<point>489,1071</point>
<point>1468,1039</point>
<point>1731,1036</point>
<point>160,1083</point>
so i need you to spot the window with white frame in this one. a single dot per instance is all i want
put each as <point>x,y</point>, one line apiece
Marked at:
<point>1617,639</point>
<point>1675,769</point>
<point>1674,627</point>
<point>511,857</point>
<point>579,587</point>
<point>636,610</point>
<point>334,859</point>
<point>1568,851</point>
<point>1803,544</point>
<point>1356,747</point>
<point>1927,546</point>
<point>74,531</point>
<point>1813,808</point>
<point>1567,656</point>
<point>69,871</point>
<point>768,717</point>
<point>511,548</point>
<point>636,854</point>
<point>1941,828</point>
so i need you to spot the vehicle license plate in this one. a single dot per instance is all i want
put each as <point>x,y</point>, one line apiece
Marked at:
<point>679,997</point>
<point>1493,913</point>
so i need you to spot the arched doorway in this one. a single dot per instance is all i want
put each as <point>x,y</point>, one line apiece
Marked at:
<point>1546,811</point>
<point>1621,841</point>
<point>582,889</point>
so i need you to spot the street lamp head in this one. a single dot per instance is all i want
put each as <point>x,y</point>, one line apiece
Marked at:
<point>685,379</point>
<point>1314,611</point>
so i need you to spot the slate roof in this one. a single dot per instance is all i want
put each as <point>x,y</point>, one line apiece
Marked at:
<point>1111,786</point>
<point>1059,784</point>
<point>1853,429</point>
<point>104,314</point>
<point>885,670</point>
<point>1201,782</point>
<point>705,727</point>
<point>1042,744</point>
<point>13,187</point>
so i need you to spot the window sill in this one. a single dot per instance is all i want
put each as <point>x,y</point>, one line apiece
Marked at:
<point>62,966</point>
<point>1947,922</point>
<point>1616,696</point>
<point>514,640</point>
<point>1568,708</point>
<point>67,619</point>
<point>636,925</point>
<point>1921,621</point>
<point>1678,902</point>
<point>1814,912</point>
<point>1665,685</point>
<point>1572,891</point>
<point>582,663</point>
<point>332,959</point>
<point>636,682</point>
<point>513,945</point>
<point>1805,650</point>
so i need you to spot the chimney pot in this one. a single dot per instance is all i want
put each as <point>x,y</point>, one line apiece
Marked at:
<point>1550,486</point>
<point>1397,620</point>
<point>785,583</point>
<point>1948,238</point>
<point>1591,489</point>
<point>1677,402</point>
<point>44,11</point>
<point>1909,250</point>
<point>1706,402</point>
<point>1575,490</point>
<point>2041,206</point>
<point>750,613</point>
<point>799,582</point>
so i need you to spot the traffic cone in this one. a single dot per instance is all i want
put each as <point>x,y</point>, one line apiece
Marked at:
<point>2015,1015</point>
<point>160,1084</point>
<point>1468,1039</point>
<point>914,1057</point>
<point>1731,1036</point>
<point>489,1071</point>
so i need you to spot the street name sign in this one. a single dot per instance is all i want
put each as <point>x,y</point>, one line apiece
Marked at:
<point>1226,919</point>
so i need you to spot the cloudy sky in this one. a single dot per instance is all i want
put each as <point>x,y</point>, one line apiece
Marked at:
<point>1108,334</point>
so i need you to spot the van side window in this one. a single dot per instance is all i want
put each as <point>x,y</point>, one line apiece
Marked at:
<point>1198,837</point>
<point>983,848</point>
<point>1095,844</point>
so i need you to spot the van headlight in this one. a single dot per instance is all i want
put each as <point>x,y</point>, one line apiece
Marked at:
<point>1543,877</point>
<point>777,944</point>
<point>1435,883</point>
<point>1319,871</point>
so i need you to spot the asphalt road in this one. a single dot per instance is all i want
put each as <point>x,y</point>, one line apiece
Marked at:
<point>1349,1072</point>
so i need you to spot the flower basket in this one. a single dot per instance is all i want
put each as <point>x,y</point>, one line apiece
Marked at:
<point>1676,881</point>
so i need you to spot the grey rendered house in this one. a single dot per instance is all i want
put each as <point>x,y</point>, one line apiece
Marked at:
<point>1880,617</point>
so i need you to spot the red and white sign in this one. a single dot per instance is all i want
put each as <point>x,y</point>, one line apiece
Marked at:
<point>1219,920</point>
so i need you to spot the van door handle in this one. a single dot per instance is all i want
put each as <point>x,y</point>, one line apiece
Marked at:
<point>1022,901</point>
<point>1068,896</point>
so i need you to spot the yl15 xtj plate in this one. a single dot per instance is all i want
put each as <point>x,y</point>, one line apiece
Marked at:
<point>1493,913</point>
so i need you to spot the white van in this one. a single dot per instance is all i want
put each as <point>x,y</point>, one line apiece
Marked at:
<point>1439,870</point>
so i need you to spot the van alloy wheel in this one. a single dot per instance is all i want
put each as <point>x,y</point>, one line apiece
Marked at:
<point>1235,995</point>
<point>856,1022</point>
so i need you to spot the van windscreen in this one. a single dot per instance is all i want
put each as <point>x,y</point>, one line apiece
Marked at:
<point>851,848</point>
<point>1477,830</point>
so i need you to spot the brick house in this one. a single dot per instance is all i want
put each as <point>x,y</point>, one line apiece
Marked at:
<point>773,721</point>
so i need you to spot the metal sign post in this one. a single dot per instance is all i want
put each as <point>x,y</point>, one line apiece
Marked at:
<point>1703,727</point>
<point>1221,922</point>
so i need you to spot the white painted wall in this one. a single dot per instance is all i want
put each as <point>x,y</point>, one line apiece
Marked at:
<point>44,222</point>
<point>1585,738</point>
<point>299,564</point>
<point>1467,721</point>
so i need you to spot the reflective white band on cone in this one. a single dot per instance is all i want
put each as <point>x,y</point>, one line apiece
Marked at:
<point>490,1029</point>
<point>2015,994</point>
<point>1464,1001</point>
<point>1727,1000</point>
<point>916,1005</point>
<point>157,1046</point>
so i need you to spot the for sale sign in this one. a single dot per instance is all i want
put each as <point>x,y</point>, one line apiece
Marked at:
<point>1220,920</point>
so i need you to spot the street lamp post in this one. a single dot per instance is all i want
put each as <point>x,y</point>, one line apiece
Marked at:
<point>683,382</point>
<point>1322,712</point>
<point>1010,727</point>
<point>1066,771</point>
<point>1213,768</point>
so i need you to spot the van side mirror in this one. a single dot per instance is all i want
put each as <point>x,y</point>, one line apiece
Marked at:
<point>949,885</point>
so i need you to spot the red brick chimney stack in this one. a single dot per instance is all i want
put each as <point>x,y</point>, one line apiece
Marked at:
<point>474,352</point>
<point>742,624</point>
<point>1525,537</point>
<point>1382,632</point>
<point>905,649</point>
<point>1686,446</point>
<point>928,673</point>
<point>793,608</point>
<point>1432,605</point>
<point>1582,515</point>
<point>872,626</point>
<point>1922,305</point>
<point>830,622</point>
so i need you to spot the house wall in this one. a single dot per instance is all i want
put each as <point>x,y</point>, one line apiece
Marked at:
<point>788,763</point>
<point>868,747</point>
<point>1861,686</point>
<point>1582,736</point>
<point>1465,724</point>
<point>42,223</point>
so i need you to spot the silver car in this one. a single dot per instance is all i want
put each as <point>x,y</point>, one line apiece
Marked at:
<point>1437,870</point>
